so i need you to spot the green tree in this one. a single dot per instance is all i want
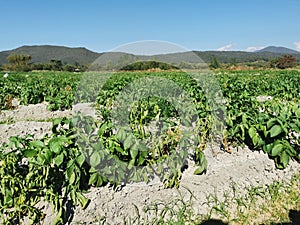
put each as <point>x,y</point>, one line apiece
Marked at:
<point>56,64</point>
<point>214,64</point>
<point>233,61</point>
<point>70,68</point>
<point>18,62</point>
<point>146,65</point>
<point>286,61</point>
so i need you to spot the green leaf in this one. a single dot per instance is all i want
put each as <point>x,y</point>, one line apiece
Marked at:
<point>202,162</point>
<point>30,153</point>
<point>48,156</point>
<point>297,111</point>
<point>70,171</point>
<point>82,200</point>
<point>271,122</point>
<point>284,159</point>
<point>134,151</point>
<point>72,178</point>
<point>268,148</point>
<point>261,141</point>
<point>93,178</point>
<point>95,159</point>
<point>256,140</point>
<point>93,170</point>
<point>56,121</point>
<point>143,154</point>
<point>200,158</point>
<point>277,149</point>
<point>100,181</point>
<point>89,129</point>
<point>275,131</point>
<point>128,142</point>
<point>244,118</point>
<point>200,170</point>
<point>121,135</point>
<point>243,132</point>
<point>252,132</point>
<point>58,160</point>
<point>143,148</point>
<point>14,141</point>
<point>63,139</point>
<point>80,159</point>
<point>121,150</point>
<point>229,122</point>
<point>55,145</point>
<point>102,129</point>
<point>97,146</point>
<point>141,160</point>
<point>37,144</point>
<point>70,164</point>
<point>73,197</point>
<point>8,197</point>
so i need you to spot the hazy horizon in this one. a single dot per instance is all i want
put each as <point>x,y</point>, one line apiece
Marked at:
<point>131,51</point>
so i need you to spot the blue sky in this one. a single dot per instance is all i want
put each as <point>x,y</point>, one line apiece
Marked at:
<point>194,24</point>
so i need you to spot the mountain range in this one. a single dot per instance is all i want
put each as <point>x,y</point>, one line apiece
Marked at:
<point>83,56</point>
<point>280,50</point>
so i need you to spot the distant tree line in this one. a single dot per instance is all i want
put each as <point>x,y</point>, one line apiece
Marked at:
<point>58,65</point>
<point>147,65</point>
<point>283,62</point>
<point>227,57</point>
<point>22,63</point>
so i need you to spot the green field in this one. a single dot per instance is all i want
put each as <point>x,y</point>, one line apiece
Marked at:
<point>260,109</point>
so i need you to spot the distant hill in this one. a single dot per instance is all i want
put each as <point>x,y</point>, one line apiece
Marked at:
<point>83,56</point>
<point>45,53</point>
<point>280,50</point>
<point>221,56</point>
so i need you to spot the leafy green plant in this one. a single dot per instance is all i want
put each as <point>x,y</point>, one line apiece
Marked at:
<point>272,126</point>
<point>57,89</point>
<point>83,152</point>
<point>52,169</point>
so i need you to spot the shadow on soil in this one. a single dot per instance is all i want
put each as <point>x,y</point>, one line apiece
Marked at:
<point>213,222</point>
<point>293,215</point>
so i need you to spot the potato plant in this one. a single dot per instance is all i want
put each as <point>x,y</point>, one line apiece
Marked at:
<point>82,152</point>
<point>57,89</point>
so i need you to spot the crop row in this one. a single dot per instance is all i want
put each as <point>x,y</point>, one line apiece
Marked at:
<point>57,89</point>
<point>150,123</point>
